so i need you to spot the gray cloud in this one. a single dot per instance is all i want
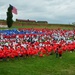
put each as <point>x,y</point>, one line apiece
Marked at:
<point>53,11</point>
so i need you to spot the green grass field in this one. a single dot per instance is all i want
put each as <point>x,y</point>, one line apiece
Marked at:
<point>49,26</point>
<point>47,65</point>
<point>45,26</point>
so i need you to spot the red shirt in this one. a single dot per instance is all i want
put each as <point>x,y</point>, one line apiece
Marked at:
<point>60,51</point>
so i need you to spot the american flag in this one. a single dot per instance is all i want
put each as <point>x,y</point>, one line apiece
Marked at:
<point>14,10</point>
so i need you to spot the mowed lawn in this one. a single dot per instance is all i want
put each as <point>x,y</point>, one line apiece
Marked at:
<point>43,26</point>
<point>47,65</point>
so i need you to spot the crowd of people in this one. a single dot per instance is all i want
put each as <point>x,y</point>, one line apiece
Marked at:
<point>35,42</point>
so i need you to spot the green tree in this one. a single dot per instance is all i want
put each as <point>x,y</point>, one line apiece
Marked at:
<point>9,16</point>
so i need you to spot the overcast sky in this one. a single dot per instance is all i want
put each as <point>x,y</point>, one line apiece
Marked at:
<point>53,11</point>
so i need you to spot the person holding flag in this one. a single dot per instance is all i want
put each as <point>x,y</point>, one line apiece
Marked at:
<point>11,9</point>
<point>14,10</point>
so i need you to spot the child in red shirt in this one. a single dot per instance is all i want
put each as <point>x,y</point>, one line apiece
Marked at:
<point>60,52</point>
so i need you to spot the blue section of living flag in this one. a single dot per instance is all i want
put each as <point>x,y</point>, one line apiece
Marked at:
<point>15,31</point>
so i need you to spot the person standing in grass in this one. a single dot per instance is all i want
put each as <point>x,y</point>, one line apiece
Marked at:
<point>60,52</point>
<point>56,53</point>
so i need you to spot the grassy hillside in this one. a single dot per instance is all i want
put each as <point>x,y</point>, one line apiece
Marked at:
<point>42,26</point>
<point>38,25</point>
<point>48,65</point>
